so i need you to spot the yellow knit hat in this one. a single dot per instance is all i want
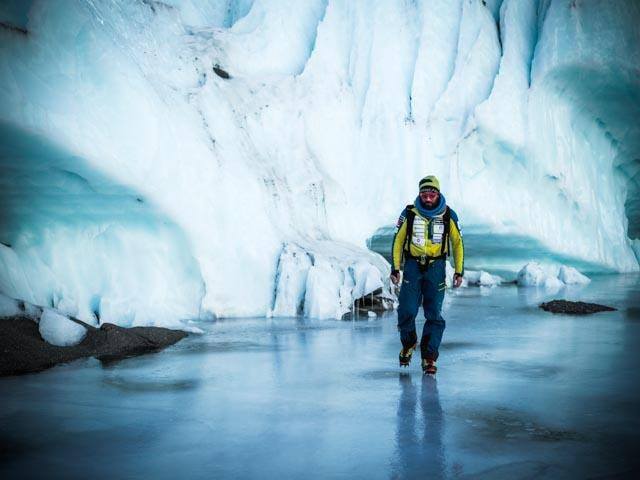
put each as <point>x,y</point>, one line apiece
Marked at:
<point>429,182</point>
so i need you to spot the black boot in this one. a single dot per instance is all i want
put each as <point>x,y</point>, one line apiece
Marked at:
<point>408,347</point>
<point>405,355</point>
<point>429,366</point>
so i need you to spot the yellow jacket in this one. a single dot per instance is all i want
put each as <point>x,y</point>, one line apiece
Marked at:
<point>426,238</point>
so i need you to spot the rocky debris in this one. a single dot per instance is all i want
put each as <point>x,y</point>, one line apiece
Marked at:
<point>376,303</point>
<point>574,308</point>
<point>222,73</point>
<point>22,349</point>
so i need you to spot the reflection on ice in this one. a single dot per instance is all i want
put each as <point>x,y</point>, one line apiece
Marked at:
<point>420,429</point>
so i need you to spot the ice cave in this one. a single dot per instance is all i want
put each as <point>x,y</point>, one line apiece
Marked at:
<point>235,169</point>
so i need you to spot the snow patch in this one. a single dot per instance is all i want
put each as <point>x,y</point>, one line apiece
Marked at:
<point>59,330</point>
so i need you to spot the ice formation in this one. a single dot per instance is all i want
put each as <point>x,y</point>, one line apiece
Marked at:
<point>311,279</point>
<point>159,158</point>
<point>57,329</point>
<point>9,307</point>
<point>549,276</point>
<point>477,278</point>
<point>482,279</point>
<point>571,276</point>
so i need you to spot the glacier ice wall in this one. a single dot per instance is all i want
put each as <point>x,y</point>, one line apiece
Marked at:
<point>74,240</point>
<point>247,126</point>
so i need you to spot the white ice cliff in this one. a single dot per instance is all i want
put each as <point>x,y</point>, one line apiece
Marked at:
<point>163,160</point>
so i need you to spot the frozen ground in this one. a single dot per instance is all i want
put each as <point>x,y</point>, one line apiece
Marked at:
<point>521,393</point>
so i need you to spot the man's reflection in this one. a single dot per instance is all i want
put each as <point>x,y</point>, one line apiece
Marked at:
<point>419,449</point>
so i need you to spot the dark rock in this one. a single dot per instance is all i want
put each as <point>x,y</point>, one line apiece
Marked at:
<point>574,308</point>
<point>23,350</point>
<point>221,73</point>
<point>376,301</point>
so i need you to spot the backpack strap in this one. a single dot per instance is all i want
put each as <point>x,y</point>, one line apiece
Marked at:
<point>411,215</point>
<point>446,218</point>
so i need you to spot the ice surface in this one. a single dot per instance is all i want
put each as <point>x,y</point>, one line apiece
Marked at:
<point>9,306</point>
<point>291,283</point>
<point>208,13</point>
<point>520,393</point>
<point>32,311</point>
<point>635,244</point>
<point>139,187</point>
<point>58,329</point>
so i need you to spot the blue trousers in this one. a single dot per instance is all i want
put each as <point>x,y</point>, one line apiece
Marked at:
<point>424,286</point>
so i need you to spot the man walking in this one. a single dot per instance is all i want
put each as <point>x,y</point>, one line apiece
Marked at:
<point>422,237</point>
